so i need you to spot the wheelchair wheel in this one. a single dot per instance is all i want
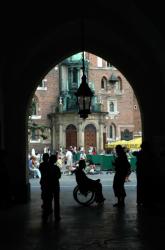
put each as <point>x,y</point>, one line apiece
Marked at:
<point>84,199</point>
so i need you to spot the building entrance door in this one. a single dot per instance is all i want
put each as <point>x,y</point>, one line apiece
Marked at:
<point>71,136</point>
<point>90,136</point>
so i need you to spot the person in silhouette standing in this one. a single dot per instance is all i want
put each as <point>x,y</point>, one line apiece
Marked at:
<point>146,178</point>
<point>43,167</point>
<point>86,183</point>
<point>52,190</point>
<point>122,168</point>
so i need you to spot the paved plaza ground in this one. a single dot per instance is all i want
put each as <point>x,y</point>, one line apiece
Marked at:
<point>68,182</point>
<point>93,228</point>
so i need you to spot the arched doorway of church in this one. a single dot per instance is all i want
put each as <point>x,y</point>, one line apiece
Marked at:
<point>71,136</point>
<point>89,136</point>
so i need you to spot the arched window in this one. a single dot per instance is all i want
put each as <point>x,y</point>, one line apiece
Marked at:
<point>73,78</point>
<point>112,132</point>
<point>118,84</point>
<point>33,134</point>
<point>34,106</point>
<point>112,107</point>
<point>103,82</point>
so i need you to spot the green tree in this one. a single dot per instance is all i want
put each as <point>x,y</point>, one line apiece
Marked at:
<point>33,126</point>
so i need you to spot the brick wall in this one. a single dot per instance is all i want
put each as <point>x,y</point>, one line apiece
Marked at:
<point>128,116</point>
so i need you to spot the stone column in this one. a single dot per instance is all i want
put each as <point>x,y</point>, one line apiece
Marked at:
<point>100,134</point>
<point>80,135</point>
<point>64,137</point>
<point>97,140</point>
<point>61,134</point>
<point>53,135</point>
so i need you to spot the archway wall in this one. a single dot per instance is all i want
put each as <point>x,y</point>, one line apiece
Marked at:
<point>136,59</point>
<point>1,120</point>
<point>129,41</point>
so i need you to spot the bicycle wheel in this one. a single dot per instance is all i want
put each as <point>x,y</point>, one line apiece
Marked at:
<point>83,199</point>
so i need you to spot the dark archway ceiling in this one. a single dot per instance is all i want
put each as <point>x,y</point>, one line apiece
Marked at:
<point>35,38</point>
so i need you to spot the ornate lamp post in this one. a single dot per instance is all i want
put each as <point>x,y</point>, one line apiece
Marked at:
<point>84,96</point>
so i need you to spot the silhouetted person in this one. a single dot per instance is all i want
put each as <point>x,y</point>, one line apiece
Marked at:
<point>145,167</point>
<point>5,185</point>
<point>43,167</point>
<point>86,183</point>
<point>52,190</point>
<point>122,168</point>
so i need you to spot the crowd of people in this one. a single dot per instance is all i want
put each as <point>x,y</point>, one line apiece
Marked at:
<point>67,160</point>
<point>49,171</point>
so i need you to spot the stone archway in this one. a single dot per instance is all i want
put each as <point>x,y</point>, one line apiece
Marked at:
<point>50,45</point>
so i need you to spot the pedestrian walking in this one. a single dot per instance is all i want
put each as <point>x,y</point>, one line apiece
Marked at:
<point>122,168</point>
<point>69,160</point>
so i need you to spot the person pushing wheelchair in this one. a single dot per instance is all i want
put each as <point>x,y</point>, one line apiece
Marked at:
<point>86,183</point>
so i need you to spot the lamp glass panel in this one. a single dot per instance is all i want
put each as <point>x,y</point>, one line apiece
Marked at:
<point>87,102</point>
<point>81,102</point>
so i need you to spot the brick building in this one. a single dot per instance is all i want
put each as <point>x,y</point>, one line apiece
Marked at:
<point>115,111</point>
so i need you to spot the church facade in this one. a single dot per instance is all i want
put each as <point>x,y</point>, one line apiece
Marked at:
<point>114,111</point>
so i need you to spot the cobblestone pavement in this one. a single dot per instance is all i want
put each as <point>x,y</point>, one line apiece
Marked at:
<point>83,227</point>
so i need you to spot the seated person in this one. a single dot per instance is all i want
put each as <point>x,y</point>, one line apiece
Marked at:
<point>86,183</point>
<point>83,155</point>
<point>91,167</point>
<point>33,167</point>
<point>59,162</point>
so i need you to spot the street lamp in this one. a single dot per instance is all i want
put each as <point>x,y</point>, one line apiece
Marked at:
<point>84,95</point>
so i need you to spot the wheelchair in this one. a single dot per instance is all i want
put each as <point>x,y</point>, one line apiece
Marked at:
<point>83,197</point>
